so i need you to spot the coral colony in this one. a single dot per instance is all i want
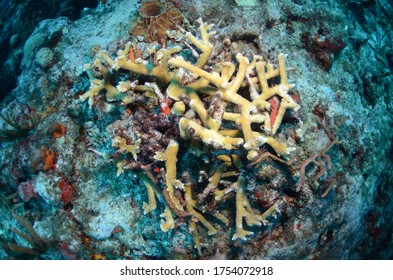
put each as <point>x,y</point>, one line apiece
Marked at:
<point>229,107</point>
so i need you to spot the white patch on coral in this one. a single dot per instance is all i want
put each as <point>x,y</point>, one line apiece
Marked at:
<point>47,187</point>
<point>111,214</point>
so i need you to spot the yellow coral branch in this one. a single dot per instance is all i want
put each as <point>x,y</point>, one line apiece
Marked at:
<point>167,222</point>
<point>170,157</point>
<point>204,46</point>
<point>151,205</point>
<point>190,209</point>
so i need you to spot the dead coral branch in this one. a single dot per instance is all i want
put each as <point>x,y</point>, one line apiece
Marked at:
<point>321,159</point>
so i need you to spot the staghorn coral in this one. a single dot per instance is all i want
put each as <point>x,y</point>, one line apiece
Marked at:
<point>240,110</point>
<point>234,108</point>
<point>97,85</point>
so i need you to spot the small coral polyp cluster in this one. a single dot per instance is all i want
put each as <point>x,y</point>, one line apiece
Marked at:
<point>232,108</point>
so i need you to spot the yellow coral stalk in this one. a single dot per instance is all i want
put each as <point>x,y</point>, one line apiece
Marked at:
<point>151,205</point>
<point>170,157</point>
<point>190,209</point>
<point>167,222</point>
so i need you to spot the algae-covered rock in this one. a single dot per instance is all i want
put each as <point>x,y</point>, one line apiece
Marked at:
<point>47,34</point>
